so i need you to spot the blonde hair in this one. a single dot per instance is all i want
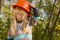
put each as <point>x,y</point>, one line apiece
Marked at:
<point>13,25</point>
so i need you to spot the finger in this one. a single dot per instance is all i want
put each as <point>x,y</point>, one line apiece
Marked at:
<point>32,5</point>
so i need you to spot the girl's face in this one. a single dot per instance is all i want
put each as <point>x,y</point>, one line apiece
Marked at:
<point>20,14</point>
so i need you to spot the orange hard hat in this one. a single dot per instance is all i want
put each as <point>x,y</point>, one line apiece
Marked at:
<point>24,4</point>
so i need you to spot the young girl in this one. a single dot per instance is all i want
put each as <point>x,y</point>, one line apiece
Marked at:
<point>21,25</point>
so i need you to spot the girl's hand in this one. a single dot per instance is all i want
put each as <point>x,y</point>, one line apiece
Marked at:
<point>12,34</point>
<point>26,30</point>
<point>32,5</point>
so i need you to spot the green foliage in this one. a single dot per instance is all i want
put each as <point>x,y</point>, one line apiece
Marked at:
<point>43,30</point>
<point>46,27</point>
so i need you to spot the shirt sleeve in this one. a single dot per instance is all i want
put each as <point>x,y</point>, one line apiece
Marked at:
<point>37,18</point>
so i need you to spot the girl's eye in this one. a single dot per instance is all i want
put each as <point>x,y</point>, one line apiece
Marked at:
<point>21,14</point>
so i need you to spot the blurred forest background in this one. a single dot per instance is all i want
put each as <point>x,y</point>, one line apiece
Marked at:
<point>48,27</point>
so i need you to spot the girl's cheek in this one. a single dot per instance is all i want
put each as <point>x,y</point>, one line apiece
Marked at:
<point>17,16</point>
